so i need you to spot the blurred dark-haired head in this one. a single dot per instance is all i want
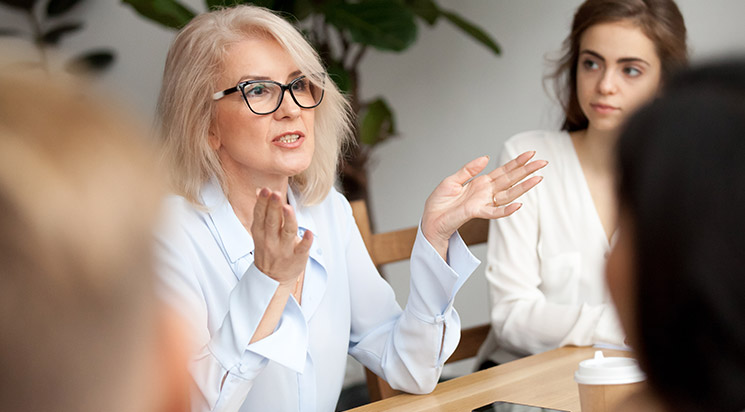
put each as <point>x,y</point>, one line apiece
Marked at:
<point>682,238</point>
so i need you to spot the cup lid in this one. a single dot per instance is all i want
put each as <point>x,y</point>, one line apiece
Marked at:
<point>608,371</point>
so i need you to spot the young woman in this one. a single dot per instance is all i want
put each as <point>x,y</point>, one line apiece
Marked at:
<point>264,255</point>
<point>676,271</point>
<point>545,265</point>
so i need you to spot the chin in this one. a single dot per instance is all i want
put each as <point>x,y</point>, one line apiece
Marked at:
<point>606,125</point>
<point>295,170</point>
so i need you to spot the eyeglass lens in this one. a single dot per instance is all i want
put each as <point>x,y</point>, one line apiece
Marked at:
<point>265,96</point>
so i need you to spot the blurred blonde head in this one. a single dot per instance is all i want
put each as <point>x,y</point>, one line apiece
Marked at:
<point>186,109</point>
<point>78,200</point>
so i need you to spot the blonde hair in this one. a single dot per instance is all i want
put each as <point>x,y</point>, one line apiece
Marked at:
<point>77,205</point>
<point>186,109</point>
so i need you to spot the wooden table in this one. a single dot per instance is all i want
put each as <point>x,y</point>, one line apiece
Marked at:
<point>545,380</point>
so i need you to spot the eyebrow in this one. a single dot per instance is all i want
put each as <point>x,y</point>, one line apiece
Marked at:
<point>292,75</point>
<point>621,60</point>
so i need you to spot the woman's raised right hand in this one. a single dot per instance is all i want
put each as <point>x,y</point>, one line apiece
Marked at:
<point>279,252</point>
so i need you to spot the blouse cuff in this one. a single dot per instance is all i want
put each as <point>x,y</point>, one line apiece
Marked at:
<point>608,328</point>
<point>247,304</point>
<point>435,282</point>
<point>288,344</point>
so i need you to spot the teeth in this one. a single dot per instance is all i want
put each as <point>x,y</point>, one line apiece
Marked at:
<point>289,138</point>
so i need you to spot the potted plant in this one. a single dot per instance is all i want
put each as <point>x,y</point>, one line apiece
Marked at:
<point>49,22</point>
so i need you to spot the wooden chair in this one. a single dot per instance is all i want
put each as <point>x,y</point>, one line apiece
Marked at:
<point>394,246</point>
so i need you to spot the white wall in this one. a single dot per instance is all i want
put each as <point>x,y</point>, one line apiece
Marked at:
<point>453,99</point>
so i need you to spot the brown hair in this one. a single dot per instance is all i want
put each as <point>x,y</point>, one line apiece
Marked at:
<point>661,22</point>
<point>78,200</point>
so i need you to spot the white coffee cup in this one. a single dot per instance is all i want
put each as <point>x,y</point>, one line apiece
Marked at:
<point>603,382</point>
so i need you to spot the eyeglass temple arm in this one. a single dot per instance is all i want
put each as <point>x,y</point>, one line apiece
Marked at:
<point>220,95</point>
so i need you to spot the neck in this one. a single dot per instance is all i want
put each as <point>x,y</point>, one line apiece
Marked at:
<point>242,192</point>
<point>596,148</point>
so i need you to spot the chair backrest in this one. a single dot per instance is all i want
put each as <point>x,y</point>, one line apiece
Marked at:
<point>394,246</point>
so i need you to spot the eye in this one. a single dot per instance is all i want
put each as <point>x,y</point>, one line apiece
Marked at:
<point>300,85</point>
<point>256,90</point>
<point>590,64</point>
<point>632,71</point>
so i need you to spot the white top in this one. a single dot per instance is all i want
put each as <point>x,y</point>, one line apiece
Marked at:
<point>206,270</point>
<point>546,263</point>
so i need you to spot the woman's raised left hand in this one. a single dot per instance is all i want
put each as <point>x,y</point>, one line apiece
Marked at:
<point>464,196</point>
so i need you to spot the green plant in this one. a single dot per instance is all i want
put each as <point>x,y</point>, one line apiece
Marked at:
<point>49,23</point>
<point>342,31</point>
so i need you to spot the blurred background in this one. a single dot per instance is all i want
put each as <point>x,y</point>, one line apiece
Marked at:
<point>453,99</point>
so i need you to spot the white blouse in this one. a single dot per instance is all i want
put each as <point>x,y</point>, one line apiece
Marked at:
<point>206,270</point>
<point>546,263</point>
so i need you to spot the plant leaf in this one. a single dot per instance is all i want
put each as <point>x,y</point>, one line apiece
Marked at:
<point>383,24</point>
<point>301,9</point>
<point>91,62</point>
<point>472,30</point>
<point>340,76</point>
<point>27,5</point>
<point>378,123</point>
<point>169,13</point>
<point>53,36</point>
<point>58,7</point>
<point>425,9</point>
<point>213,4</point>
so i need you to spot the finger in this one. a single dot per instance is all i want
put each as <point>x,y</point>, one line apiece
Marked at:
<point>262,200</point>
<point>289,228</point>
<point>518,174</point>
<point>273,220</point>
<point>303,247</point>
<point>507,196</point>
<point>492,212</point>
<point>470,170</point>
<point>512,164</point>
<point>511,208</point>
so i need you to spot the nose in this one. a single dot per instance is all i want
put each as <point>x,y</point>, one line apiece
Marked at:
<point>607,83</point>
<point>287,108</point>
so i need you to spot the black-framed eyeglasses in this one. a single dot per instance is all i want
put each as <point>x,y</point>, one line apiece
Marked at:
<point>265,96</point>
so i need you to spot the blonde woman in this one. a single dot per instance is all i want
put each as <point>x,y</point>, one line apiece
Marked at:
<point>82,329</point>
<point>264,254</point>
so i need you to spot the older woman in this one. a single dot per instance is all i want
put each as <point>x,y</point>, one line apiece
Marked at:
<point>264,254</point>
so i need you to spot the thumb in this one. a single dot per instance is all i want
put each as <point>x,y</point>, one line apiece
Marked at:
<point>470,170</point>
<point>305,243</point>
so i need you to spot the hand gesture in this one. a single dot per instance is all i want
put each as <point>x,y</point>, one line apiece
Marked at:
<point>464,196</point>
<point>279,253</point>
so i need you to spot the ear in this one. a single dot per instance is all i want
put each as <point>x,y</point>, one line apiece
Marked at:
<point>213,139</point>
<point>174,350</point>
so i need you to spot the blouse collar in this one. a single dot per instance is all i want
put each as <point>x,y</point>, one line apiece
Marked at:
<point>235,239</point>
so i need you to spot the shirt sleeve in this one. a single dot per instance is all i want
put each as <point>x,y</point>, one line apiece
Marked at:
<point>224,364</point>
<point>522,317</point>
<point>407,347</point>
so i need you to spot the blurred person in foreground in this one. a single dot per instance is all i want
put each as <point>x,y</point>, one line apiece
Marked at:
<point>677,272</point>
<point>264,254</point>
<point>81,329</point>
